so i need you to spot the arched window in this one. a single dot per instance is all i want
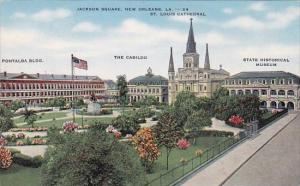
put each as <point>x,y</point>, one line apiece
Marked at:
<point>247,92</point>
<point>232,92</point>
<point>256,92</point>
<point>281,92</point>
<point>290,93</point>
<point>263,92</point>
<point>273,92</point>
<point>240,92</point>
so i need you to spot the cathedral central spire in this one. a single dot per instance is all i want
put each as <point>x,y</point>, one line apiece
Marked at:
<point>191,44</point>
<point>171,62</point>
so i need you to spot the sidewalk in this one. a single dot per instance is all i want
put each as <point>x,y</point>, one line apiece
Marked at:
<point>219,170</point>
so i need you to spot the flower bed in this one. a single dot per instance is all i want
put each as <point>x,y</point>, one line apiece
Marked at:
<point>37,129</point>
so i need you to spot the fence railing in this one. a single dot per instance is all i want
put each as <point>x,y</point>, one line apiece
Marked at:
<point>174,174</point>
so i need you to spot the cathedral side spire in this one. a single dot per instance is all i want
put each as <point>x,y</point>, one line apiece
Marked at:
<point>206,62</point>
<point>191,44</point>
<point>171,62</point>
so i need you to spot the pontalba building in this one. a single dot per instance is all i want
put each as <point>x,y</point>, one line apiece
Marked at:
<point>200,81</point>
<point>276,89</point>
<point>148,85</point>
<point>38,88</point>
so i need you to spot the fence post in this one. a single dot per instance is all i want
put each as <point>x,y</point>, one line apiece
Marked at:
<point>192,163</point>
<point>160,180</point>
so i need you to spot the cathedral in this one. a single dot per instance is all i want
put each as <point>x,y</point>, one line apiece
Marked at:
<point>200,81</point>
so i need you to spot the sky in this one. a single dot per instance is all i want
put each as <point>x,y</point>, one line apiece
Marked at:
<point>53,30</point>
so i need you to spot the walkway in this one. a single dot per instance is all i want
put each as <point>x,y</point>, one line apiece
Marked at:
<point>277,163</point>
<point>219,170</point>
<point>31,150</point>
<point>222,126</point>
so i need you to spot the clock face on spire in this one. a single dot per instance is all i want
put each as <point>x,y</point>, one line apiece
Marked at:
<point>188,59</point>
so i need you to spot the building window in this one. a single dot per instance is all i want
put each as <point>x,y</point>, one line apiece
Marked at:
<point>208,76</point>
<point>204,87</point>
<point>240,92</point>
<point>232,92</point>
<point>281,81</point>
<point>264,81</point>
<point>290,81</point>
<point>263,92</point>
<point>290,93</point>
<point>273,82</point>
<point>281,92</point>
<point>256,92</point>
<point>273,92</point>
<point>240,82</point>
<point>248,82</point>
<point>204,75</point>
<point>247,92</point>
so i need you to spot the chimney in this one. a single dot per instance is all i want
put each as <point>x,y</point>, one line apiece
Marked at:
<point>5,74</point>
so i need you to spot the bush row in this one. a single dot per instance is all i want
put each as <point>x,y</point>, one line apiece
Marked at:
<point>27,161</point>
<point>206,133</point>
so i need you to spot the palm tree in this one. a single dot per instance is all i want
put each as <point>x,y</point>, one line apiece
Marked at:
<point>29,117</point>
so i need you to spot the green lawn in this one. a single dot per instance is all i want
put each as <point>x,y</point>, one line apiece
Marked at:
<point>42,116</point>
<point>24,176</point>
<point>59,123</point>
<point>20,176</point>
<point>176,154</point>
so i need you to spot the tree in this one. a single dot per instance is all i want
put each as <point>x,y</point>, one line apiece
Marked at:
<point>147,101</point>
<point>196,121</point>
<point>6,122</point>
<point>167,133</point>
<point>5,158</point>
<point>220,92</point>
<point>184,106</point>
<point>126,123</point>
<point>98,159</point>
<point>206,104</point>
<point>144,143</point>
<point>30,117</point>
<point>123,90</point>
<point>17,104</point>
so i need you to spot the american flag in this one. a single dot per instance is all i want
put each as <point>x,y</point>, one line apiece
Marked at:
<point>79,63</point>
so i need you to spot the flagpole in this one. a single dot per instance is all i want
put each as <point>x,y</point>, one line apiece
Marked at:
<point>72,69</point>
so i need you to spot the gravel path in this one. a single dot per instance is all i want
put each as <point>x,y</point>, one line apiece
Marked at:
<point>222,126</point>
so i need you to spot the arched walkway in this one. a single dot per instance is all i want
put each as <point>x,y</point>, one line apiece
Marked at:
<point>290,105</point>
<point>263,104</point>
<point>281,105</point>
<point>273,104</point>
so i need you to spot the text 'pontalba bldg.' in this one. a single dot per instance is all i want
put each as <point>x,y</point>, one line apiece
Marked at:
<point>200,81</point>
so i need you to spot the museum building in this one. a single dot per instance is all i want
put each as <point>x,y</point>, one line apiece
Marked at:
<point>276,89</point>
<point>38,88</point>
<point>202,82</point>
<point>148,85</point>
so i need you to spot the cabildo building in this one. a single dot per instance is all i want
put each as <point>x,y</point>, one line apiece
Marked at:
<point>148,85</point>
<point>276,89</point>
<point>38,88</point>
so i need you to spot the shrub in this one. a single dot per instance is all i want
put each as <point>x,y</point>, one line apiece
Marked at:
<point>3,141</point>
<point>183,144</point>
<point>5,158</point>
<point>19,143</point>
<point>106,111</point>
<point>199,152</point>
<point>69,126</point>
<point>183,161</point>
<point>6,122</point>
<point>20,135</point>
<point>38,141</point>
<point>27,161</point>
<point>236,120</point>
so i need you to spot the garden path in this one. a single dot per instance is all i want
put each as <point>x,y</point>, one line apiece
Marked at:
<point>222,126</point>
<point>31,150</point>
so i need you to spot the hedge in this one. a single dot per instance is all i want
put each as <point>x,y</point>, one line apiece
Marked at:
<point>27,161</point>
<point>206,133</point>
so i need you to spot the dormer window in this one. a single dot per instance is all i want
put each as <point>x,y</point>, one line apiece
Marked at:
<point>240,82</point>
<point>273,82</point>
<point>281,81</point>
<point>290,81</point>
<point>264,81</point>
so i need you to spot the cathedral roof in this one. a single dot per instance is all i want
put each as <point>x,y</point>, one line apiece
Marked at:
<point>148,79</point>
<point>191,44</point>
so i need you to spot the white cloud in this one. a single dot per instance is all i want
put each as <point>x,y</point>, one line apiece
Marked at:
<point>228,10</point>
<point>258,6</point>
<point>216,39</point>
<point>51,15</point>
<point>19,15</point>
<point>244,22</point>
<point>86,27</point>
<point>284,18</point>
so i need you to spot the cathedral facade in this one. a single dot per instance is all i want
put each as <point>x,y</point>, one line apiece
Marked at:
<point>202,82</point>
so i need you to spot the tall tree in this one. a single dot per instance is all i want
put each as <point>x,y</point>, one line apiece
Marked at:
<point>220,92</point>
<point>98,159</point>
<point>123,90</point>
<point>196,121</point>
<point>145,145</point>
<point>167,133</point>
<point>5,119</point>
